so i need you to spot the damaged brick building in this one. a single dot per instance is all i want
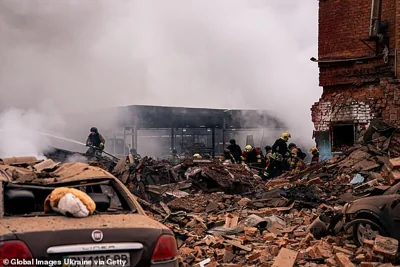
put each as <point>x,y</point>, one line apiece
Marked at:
<point>357,59</point>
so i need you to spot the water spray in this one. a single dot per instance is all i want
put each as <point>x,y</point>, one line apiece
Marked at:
<point>64,139</point>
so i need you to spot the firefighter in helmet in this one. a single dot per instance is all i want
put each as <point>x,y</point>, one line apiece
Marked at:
<point>296,159</point>
<point>95,142</point>
<point>251,155</point>
<point>197,156</point>
<point>279,157</point>
<point>315,155</point>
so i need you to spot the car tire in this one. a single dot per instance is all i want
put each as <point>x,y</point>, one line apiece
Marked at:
<point>366,229</point>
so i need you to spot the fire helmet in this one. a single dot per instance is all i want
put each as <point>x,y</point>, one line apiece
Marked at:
<point>285,136</point>
<point>248,148</point>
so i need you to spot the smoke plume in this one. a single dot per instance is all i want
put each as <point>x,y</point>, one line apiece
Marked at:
<point>84,55</point>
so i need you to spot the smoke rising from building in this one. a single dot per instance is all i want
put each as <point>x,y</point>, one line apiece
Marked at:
<point>83,55</point>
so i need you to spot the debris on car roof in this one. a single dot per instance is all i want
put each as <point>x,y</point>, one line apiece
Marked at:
<point>51,172</point>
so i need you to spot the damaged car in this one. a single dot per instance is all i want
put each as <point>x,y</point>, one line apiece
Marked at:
<point>370,216</point>
<point>117,232</point>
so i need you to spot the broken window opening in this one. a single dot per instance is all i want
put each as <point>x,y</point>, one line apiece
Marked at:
<point>343,137</point>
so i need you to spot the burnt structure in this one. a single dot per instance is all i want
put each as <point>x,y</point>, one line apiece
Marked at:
<point>358,63</point>
<point>156,130</point>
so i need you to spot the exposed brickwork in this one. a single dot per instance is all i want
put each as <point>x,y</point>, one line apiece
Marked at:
<point>357,105</point>
<point>356,91</point>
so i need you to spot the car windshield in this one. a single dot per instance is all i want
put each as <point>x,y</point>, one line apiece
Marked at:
<point>105,194</point>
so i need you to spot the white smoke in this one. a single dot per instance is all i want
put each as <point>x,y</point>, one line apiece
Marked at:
<point>233,54</point>
<point>77,158</point>
<point>19,132</point>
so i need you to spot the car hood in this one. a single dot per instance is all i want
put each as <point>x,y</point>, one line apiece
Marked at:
<point>373,203</point>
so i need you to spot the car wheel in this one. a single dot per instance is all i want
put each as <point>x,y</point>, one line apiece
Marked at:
<point>365,230</point>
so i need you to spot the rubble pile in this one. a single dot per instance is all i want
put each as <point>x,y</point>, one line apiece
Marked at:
<point>154,180</point>
<point>230,230</point>
<point>292,220</point>
<point>225,215</point>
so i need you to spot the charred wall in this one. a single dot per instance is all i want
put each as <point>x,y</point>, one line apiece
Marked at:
<point>357,71</point>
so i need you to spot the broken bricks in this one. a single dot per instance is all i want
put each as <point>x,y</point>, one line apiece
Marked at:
<point>385,245</point>
<point>227,228</point>
<point>343,260</point>
<point>285,258</point>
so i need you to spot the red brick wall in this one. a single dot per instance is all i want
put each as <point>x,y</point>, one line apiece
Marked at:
<point>354,91</point>
<point>343,22</point>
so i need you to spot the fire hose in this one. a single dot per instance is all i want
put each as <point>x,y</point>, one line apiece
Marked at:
<point>102,151</point>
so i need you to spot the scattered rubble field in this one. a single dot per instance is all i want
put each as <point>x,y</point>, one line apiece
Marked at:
<point>225,215</point>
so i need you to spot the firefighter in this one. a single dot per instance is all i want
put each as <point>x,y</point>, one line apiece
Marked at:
<point>227,157</point>
<point>299,153</point>
<point>292,159</point>
<point>268,153</point>
<point>261,154</point>
<point>295,160</point>
<point>196,156</point>
<point>235,150</point>
<point>296,157</point>
<point>315,155</point>
<point>95,142</point>
<point>251,155</point>
<point>174,158</point>
<point>279,155</point>
<point>134,153</point>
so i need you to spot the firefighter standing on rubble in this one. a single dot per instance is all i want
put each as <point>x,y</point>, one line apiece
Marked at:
<point>280,154</point>
<point>251,155</point>
<point>95,141</point>
<point>315,155</point>
<point>296,159</point>
<point>235,150</point>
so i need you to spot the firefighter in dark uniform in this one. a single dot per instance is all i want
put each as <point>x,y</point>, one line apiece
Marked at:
<point>280,154</point>
<point>95,141</point>
<point>235,150</point>
<point>251,155</point>
<point>228,156</point>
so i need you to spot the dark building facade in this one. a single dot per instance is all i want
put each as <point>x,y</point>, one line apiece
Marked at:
<point>156,130</point>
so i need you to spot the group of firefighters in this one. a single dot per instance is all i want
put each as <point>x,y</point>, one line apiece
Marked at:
<point>278,158</point>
